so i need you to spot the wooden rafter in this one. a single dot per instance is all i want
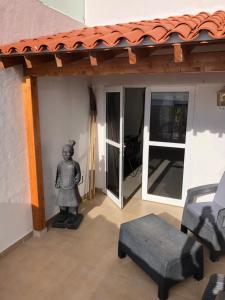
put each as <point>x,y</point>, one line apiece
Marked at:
<point>58,60</point>
<point>7,62</point>
<point>31,61</point>
<point>137,54</point>
<point>132,56</point>
<point>93,58</point>
<point>178,53</point>
<point>181,52</point>
<point>62,59</point>
<point>195,62</point>
<point>98,57</point>
<point>28,62</point>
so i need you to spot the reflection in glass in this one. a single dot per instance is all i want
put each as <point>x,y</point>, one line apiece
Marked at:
<point>134,106</point>
<point>112,172</point>
<point>168,119</point>
<point>113,116</point>
<point>165,171</point>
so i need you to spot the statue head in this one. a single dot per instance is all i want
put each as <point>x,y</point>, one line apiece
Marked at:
<point>68,150</point>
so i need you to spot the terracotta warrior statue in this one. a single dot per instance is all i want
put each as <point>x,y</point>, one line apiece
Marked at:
<point>68,176</point>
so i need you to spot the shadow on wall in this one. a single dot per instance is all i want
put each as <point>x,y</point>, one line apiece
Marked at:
<point>64,115</point>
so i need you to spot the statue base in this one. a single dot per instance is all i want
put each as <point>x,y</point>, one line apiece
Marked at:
<point>75,224</point>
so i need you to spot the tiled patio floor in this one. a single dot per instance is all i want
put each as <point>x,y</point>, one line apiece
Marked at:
<point>83,264</point>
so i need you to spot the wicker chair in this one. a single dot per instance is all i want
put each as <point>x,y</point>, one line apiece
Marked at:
<point>215,288</point>
<point>207,219</point>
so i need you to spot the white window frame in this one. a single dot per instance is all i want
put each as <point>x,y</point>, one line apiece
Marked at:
<point>117,200</point>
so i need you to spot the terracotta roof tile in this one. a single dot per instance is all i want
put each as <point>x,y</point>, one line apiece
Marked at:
<point>187,27</point>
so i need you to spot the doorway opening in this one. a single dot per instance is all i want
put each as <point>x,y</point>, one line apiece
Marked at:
<point>124,142</point>
<point>146,143</point>
<point>134,107</point>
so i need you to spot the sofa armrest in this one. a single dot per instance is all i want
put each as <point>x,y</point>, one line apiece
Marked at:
<point>221,220</point>
<point>200,191</point>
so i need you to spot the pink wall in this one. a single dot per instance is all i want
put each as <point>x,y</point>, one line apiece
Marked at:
<point>30,18</point>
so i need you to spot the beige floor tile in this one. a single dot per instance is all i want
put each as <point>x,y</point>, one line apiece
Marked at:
<point>83,264</point>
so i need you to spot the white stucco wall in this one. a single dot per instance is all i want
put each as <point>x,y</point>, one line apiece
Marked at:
<point>101,12</point>
<point>18,20</point>
<point>64,115</point>
<point>207,141</point>
<point>15,209</point>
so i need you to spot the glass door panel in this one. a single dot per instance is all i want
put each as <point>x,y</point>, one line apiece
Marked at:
<point>113,116</point>
<point>114,144</point>
<point>168,119</point>
<point>165,145</point>
<point>165,171</point>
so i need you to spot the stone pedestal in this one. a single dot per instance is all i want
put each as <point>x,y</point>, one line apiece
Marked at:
<point>75,224</point>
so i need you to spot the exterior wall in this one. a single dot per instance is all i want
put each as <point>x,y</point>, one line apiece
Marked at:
<point>74,9</point>
<point>64,115</point>
<point>15,209</point>
<point>207,144</point>
<point>19,21</point>
<point>117,11</point>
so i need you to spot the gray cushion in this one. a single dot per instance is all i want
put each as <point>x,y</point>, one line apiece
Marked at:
<point>159,244</point>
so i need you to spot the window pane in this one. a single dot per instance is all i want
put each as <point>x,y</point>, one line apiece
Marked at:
<point>165,171</point>
<point>113,116</point>
<point>168,119</point>
<point>112,172</point>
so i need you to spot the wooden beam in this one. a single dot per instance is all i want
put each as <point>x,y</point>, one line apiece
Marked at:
<point>194,63</point>
<point>132,56</point>
<point>99,57</point>
<point>93,58</point>
<point>137,54</point>
<point>181,52</point>
<point>28,62</point>
<point>30,98</point>
<point>178,53</point>
<point>58,60</point>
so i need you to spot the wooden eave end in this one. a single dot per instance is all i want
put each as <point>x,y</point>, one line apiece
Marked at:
<point>178,53</point>
<point>58,60</point>
<point>28,62</point>
<point>93,59</point>
<point>132,56</point>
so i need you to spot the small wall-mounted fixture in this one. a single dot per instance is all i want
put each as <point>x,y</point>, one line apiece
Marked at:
<point>221,98</point>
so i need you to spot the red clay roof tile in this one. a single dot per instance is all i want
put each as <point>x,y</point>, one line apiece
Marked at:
<point>187,27</point>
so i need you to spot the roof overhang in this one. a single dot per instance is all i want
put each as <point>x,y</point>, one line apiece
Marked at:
<point>176,44</point>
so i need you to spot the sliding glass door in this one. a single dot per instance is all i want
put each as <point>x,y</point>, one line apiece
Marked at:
<point>165,144</point>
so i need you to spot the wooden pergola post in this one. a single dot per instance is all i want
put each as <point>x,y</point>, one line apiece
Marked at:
<point>30,99</point>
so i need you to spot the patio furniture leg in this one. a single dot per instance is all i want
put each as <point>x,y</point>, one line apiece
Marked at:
<point>214,256</point>
<point>183,229</point>
<point>163,290</point>
<point>121,252</point>
<point>200,260</point>
<point>199,274</point>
